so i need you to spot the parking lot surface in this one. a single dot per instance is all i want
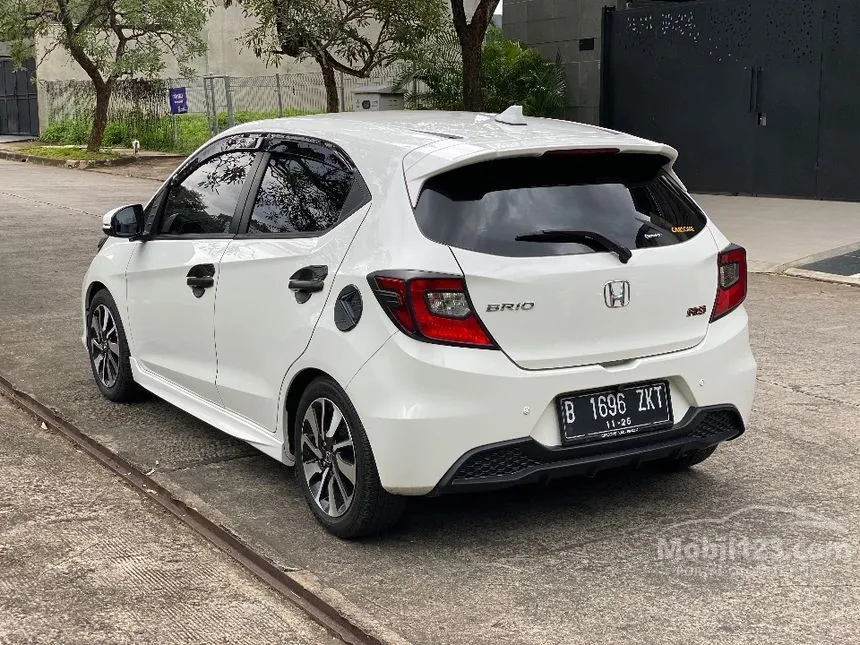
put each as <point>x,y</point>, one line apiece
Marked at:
<point>758,544</point>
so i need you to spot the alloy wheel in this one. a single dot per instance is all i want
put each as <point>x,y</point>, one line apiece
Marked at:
<point>104,345</point>
<point>327,456</point>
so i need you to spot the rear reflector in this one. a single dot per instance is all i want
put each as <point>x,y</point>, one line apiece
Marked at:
<point>430,309</point>
<point>731,281</point>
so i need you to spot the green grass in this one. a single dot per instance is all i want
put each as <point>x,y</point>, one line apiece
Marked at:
<point>192,130</point>
<point>68,153</point>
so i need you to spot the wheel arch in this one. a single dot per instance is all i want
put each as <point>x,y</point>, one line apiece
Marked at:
<point>94,287</point>
<point>297,387</point>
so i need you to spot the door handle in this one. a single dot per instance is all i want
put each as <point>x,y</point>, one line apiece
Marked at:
<point>200,277</point>
<point>311,286</point>
<point>202,282</point>
<point>307,281</point>
<point>755,88</point>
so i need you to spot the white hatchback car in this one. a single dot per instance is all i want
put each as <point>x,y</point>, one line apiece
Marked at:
<point>414,303</point>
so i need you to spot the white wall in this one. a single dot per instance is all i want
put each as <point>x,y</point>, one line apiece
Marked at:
<point>224,55</point>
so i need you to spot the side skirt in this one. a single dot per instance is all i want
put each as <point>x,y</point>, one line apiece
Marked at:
<point>226,421</point>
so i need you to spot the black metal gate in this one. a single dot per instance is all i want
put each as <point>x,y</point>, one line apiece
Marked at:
<point>759,96</point>
<point>18,99</point>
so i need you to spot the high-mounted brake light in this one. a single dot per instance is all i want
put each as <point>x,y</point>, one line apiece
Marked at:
<point>431,309</point>
<point>731,281</point>
<point>581,152</point>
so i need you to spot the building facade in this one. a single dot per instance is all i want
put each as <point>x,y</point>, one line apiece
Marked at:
<point>570,29</point>
<point>18,103</point>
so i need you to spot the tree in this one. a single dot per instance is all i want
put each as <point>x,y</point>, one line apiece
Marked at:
<point>109,39</point>
<point>512,74</point>
<point>349,36</point>
<point>471,37</point>
<point>437,65</point>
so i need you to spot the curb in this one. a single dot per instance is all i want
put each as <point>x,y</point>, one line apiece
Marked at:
<point>79,164</point>
<point>823,277</point>
<point>795,269</point>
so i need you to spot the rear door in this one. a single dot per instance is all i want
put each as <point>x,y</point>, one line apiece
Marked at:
<point>559,297</point>
<point>295,232</point>
<point>172,278</point>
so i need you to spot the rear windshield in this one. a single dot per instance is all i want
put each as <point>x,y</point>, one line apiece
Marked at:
<point>627,198</point>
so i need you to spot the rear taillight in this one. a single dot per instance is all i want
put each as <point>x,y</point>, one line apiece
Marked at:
<point>433,309</point>
<point>731,281</point>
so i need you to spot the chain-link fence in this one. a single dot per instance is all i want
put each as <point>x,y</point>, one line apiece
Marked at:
<point>140,109</point>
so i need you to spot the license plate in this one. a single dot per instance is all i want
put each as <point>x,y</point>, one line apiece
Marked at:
<point>615,412</point>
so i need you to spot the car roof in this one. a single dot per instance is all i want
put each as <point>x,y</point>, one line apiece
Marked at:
<point>428,142</point>
<point>413,128</point>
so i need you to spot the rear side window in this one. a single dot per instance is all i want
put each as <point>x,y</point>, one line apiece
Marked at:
<point>299,195</point>
<point>625,197</point>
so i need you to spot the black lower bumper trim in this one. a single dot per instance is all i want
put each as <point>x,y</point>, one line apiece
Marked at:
<point>520,461</point>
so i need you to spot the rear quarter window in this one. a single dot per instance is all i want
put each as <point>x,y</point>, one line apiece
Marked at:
<point>626,197</point>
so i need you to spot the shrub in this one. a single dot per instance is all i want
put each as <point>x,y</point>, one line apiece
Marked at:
<point>192,130</point>
<point>513,74</point>
<point>67,132</point>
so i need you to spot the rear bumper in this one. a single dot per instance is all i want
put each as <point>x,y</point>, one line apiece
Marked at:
<point>426,407</point>
<point>521,461</point>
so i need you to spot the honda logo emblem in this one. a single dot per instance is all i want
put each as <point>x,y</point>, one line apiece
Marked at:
<point>616,294</point>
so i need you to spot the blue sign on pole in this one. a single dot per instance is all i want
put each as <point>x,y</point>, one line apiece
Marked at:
<point>178,101</point>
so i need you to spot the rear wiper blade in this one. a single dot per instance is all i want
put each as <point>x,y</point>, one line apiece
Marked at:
<point>590,239</point>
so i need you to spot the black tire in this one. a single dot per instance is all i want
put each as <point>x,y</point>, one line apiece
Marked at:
<point>371,509</point>
<point>120,387</point>
<point>687,460</point>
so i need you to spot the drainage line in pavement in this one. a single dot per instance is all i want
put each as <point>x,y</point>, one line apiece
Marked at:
<point>318,609</point>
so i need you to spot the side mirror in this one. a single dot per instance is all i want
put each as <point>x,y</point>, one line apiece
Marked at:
<point>125,221</point>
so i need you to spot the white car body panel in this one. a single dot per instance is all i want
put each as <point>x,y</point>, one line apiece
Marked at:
<point>108,268</point>
<point>170,328</point>
<point>211,413</point>
<point>232,356</point>
<point>253,354</point>
<point>449,400</point>
<point>571,325</point>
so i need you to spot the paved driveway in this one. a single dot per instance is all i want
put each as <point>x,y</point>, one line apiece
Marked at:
<point>759,544</point>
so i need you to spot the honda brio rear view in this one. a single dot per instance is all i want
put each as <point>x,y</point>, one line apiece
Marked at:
<point>419,303</point>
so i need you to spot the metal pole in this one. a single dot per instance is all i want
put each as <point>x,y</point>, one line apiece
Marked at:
<point>211,108</point>
<point>228,92</point>
<point>175,133</point>
<point>342,94</point>
<point>280,98</point>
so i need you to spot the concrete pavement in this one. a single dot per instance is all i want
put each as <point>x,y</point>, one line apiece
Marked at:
<point>758,544</point>
<point>85,559</point>
<point>780,234</point>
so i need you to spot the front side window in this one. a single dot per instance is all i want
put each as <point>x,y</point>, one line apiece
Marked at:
<point>299,195</point>
<point>204,202</point>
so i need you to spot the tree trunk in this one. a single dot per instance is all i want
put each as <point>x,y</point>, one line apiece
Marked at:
<point>473,100</point>
<point>332,101</point>
<point>103,94</point>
